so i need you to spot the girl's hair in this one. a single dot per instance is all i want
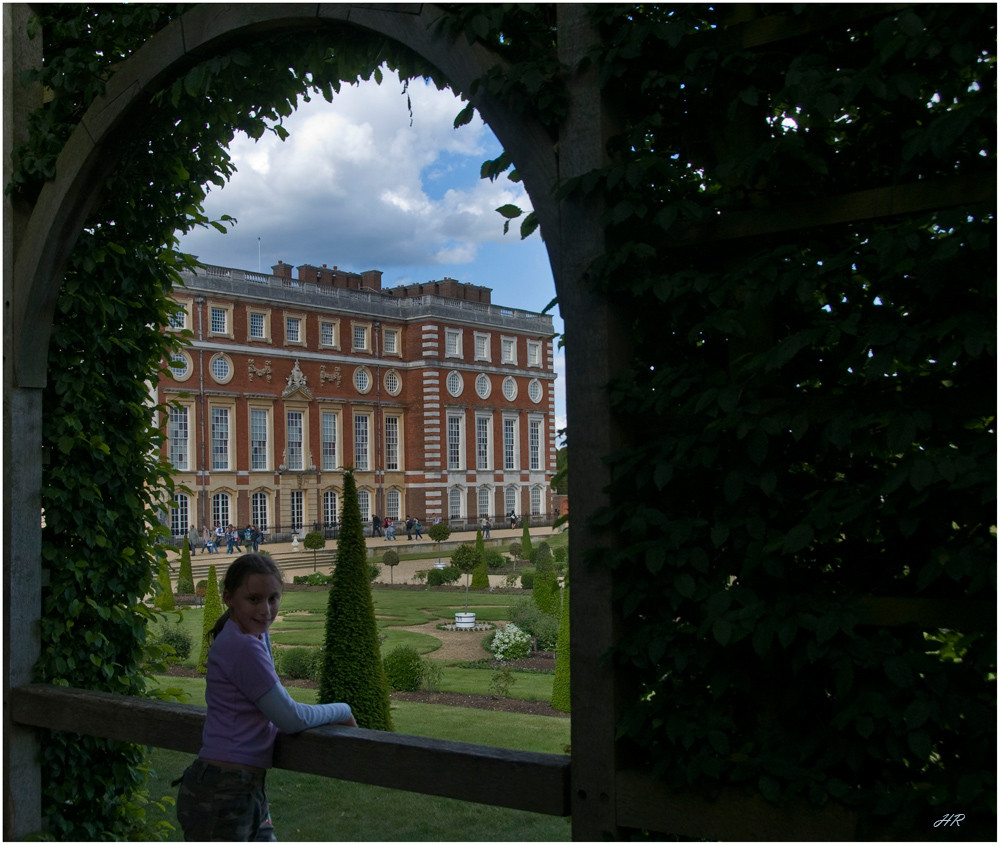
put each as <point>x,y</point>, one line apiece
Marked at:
<point>239,570</point>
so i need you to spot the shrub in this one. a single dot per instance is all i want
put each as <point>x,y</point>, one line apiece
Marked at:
<point>501,682</point>
<point>528,579</point>
<point>560,683</point>
<point>404,669</point>
<point>511,643</point>
<point>299,662</point>
<point>526,548</point>
<point>494,559</point>
<point>390,559</point>
<point>542,626</point>
<point>200,588</point>
<point>439,577</point>
<point>480,576</point>
<point>560,554</point>
<point>374,570</point>
<point>185,578</point>
<point>175,637</point>
<point>543,557</point>
<point>164,599</point>
<point>432,675</point>
<point>515,550</point>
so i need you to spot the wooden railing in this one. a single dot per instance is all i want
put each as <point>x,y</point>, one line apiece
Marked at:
<point>523,780</point>
<point>520,780</point>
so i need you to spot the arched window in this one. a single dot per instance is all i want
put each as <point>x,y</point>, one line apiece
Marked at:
<point>365,505</point>
<point>180,515</point>
<point>259,510</point>
<point>221,509</point>
<point>392,504</point>
<point>536,500</point>
<point>484,498</point>
<point>510,499</point>
<point>330,513</point>
<point>455,497</point>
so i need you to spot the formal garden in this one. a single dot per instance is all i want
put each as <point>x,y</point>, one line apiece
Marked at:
<point>491,685</point>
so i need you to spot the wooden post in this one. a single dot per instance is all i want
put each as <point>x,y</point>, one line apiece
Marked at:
<point>22,460</point>
<point>595,347</point>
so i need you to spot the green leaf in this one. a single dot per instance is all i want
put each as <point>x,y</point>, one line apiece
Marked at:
<point>798,538</point>
<point>465,116</point>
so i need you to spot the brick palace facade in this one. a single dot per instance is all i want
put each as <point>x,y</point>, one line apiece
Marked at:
<point>441,402</point>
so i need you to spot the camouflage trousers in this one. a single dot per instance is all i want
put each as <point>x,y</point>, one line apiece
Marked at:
<point>223,805</point>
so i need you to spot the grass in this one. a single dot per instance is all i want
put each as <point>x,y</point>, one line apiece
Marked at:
<point>309,808</point>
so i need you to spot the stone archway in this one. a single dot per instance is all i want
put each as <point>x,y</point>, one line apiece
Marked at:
<point>37,253</point>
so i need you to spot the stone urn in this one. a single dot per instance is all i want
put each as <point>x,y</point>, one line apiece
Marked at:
<point>465,619</point>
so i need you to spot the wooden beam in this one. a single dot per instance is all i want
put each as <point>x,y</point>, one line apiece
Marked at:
<point>857,207</point>
<point>645,804</point>
<point>521,780</point>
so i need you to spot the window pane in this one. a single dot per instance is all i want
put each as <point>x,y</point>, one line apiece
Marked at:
<point>454,442</point>
<point>392,504</point>
<point>330,508</point>
<point>291,330</point>
<point>482,443</point>
<point>360,337</point>
<point>509,454</point>
<point>179,522</point>
<point>392,442</point>
<point>220,509</point>
<point>364,505</point>
<point>293,439</point>
<point>534,444</point>
<point>361,442</point>
<point>298,509</point>
<point>391,342</point>
<point>257,325</point>
<point>329,437</point>
<point>326,334</point>
<point>455,503</point>
<point>484,501</point>
<point>218,320</point>
<point>258,510</point>
<point>258,438</point>
<point>178,435</point>
<point>220,438</point>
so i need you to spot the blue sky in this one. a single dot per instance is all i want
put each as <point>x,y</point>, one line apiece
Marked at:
<point>361,184</point>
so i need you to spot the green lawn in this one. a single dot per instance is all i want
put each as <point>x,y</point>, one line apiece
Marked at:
<point>309,808</point>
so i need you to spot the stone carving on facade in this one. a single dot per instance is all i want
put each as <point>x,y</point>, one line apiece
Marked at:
<point>296,383</point>
<point>325,377</point>
<point>264,374</point>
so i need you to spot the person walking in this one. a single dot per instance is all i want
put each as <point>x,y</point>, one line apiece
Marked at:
<point>409,527</point>
<point>416,528</point>
<point>376,526</point>
<point>222,795</point>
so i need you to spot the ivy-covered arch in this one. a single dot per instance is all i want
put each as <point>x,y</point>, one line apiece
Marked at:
<point>107,178</point>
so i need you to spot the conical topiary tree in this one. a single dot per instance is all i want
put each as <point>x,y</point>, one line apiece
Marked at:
<point>185,578</point>
<point>526,552</point>
<point>213,610</point>
<point>545,591</point>
<point>165,597</point>
<point>560,683</point>
<point>480,574</point>
<point>351,668</point>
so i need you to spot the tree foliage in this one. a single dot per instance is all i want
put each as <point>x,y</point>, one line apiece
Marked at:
<point>352,670</point>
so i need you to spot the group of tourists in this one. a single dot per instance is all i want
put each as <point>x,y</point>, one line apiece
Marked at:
<point>211,541</point>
